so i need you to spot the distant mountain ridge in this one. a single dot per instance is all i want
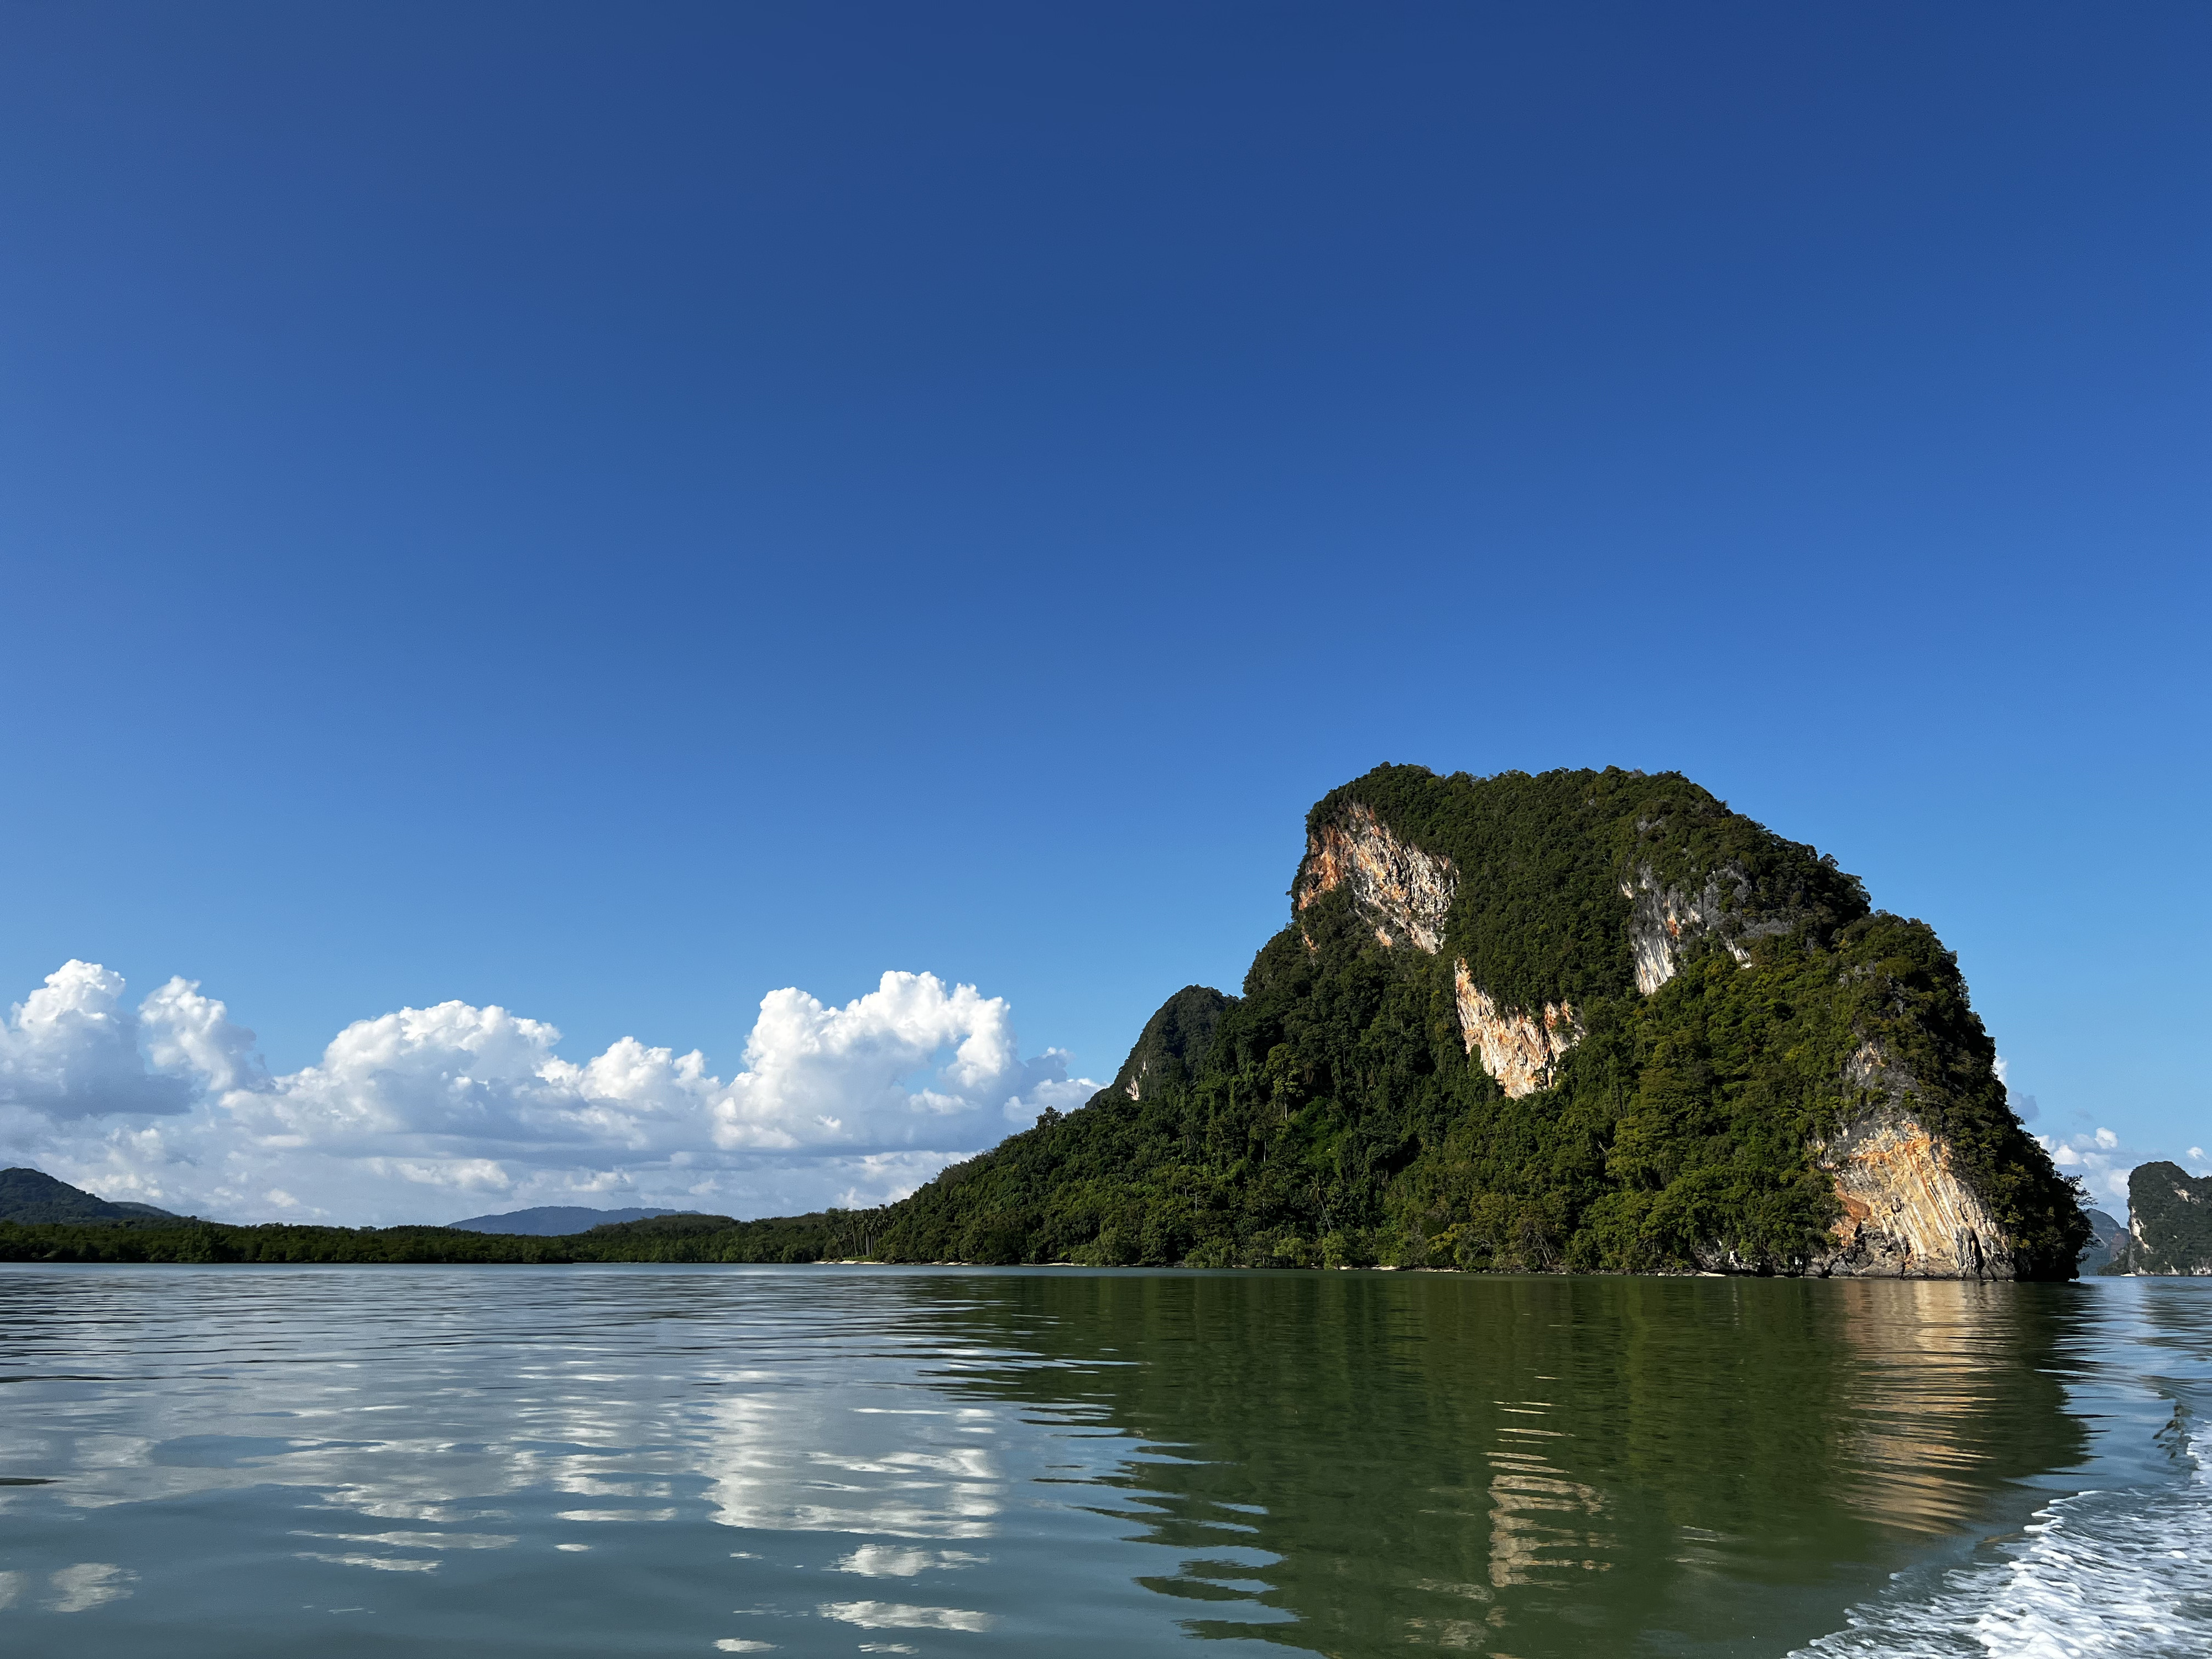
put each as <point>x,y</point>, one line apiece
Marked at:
<point>555,1220</point>
<point>30,1196</point>
<point>2107,1249</point>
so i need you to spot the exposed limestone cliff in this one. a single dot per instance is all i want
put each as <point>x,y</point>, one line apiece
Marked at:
<point>1665,921</point>
<point>1906,1214</point>
<point>1662,924</point>
<point>1518,1049</point>
<point>1405,892</point>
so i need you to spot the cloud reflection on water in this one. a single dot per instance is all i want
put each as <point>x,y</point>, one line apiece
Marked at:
<point>1346,1462</point>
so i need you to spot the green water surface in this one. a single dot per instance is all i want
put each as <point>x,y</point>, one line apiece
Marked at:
<point>497,1462</point>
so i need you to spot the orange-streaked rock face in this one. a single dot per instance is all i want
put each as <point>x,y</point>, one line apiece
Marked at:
<point>1405,892</point>
<point>1518,1049</point>
<point>1906,1215</point>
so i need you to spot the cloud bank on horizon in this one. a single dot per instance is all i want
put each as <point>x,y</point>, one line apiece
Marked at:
<point>429,1114</point>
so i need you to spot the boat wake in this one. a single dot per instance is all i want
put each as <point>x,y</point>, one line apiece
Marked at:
<point>2099,1573</point>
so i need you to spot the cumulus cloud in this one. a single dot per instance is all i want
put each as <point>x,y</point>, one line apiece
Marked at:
<point>72,1049</point>
<point>817,1076</point>
<point>412,1114</point>
<point>185,1035</point>
<point>2099,1159</point>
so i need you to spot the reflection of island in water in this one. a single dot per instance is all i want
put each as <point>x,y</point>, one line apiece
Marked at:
<point>1355,1463</point>
<point>1344,1463</point>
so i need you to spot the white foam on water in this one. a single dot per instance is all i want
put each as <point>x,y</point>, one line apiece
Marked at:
<point>2096,1574</point>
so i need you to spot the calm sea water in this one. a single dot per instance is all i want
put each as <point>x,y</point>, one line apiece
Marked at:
<point>634,1460</point>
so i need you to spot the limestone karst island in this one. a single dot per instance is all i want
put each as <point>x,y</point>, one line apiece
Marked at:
<point>1580,1021</point>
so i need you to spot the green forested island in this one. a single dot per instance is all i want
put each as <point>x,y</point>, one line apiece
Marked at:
<point>1579,1021</point>
<point>1588,1021</point>
<point>2171,1222</point>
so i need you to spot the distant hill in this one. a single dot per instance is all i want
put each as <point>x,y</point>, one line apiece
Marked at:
<point>682,1235</point>
<point>556,1220</point>
<point>33,1195</point>
<point>2102,1252</point>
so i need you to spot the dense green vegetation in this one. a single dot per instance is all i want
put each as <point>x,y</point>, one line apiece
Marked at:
<point>1332,1115</point>
<point>664,1238</point>
<point>2173,1217</point>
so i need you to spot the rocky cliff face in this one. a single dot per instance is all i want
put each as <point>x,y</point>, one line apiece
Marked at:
<point>1405,892</point>
<point>1906,1214</point>
<point>1518,1049</point>
<point>1665,921</point>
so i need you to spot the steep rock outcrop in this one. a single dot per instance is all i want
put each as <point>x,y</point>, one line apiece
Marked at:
<point>2169,1221</point>
<point>1518,1049</point>
<point>1405,892</point>
<point>1906,1214</point>
<point>1678,1089</point>
<point>1665,922</point>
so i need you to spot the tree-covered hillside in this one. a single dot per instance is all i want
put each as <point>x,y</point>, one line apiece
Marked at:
<point>1334,1113</point>
<point>684,1238</point>
<point>2172,1213</point>
<point>35,1195</point>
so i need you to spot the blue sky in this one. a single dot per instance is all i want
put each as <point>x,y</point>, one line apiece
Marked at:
<point>611,512</point>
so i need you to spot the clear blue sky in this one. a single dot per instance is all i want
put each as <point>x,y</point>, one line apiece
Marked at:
<point>609,511</point>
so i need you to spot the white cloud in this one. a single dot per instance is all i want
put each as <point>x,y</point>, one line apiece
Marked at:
<point>821,1076</point>
<point>426,1114</point>
<point>186,1034</point>
<point>1048,1088</point>
<point>2099,1159</point>
<point>818,1077</point>
<point>72,1049</point>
